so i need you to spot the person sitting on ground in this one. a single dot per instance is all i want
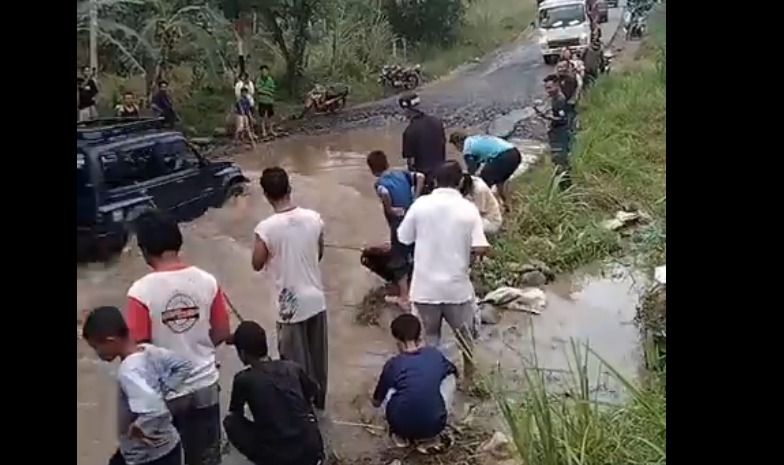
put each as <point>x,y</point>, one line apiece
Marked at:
<point>416,387</point>
<point>146,375</point>
<point>128,108</point>
<point>397,190</point>
<point>475,190</point>
<point>243,111</point>
<point>380,261</point>
<point>280,396</point>
<point>497,158</point>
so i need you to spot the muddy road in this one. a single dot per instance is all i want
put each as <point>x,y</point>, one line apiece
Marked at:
<point>329,175</point>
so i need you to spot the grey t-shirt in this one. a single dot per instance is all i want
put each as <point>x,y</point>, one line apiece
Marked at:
<point>145,378</point>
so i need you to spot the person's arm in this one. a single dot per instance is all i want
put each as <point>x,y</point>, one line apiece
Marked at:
<point>146,403</point>
<point>219,319</point>
<point>176,369</point>
<point>579,89</point>
<point>406,232</point>
<point>320,238</point>
<point>261,254</point>
<point>447,367</point>
<point>238,396</point>
<point>419,183</point>
<point>383,385</point>
<point>137,317</point>
<point>386,203</point>
<point>479,244</point>
<point>310,388</point>
<point>409,148</point>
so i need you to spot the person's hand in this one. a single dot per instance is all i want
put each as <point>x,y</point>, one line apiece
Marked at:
<point>135,432</point>
<point>399,212</point>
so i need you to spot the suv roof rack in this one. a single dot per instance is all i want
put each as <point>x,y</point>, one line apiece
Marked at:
<point>104,128</point>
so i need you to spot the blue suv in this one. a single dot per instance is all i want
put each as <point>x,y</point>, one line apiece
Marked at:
<point>127,166</point>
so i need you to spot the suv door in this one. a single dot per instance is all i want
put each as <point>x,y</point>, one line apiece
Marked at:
<point>185,187</point>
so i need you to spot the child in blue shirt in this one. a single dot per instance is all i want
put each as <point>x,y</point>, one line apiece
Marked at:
<point>416,386</point>
<point>243,111</point>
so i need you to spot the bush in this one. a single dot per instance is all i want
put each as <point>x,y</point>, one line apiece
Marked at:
<point>432,22</point>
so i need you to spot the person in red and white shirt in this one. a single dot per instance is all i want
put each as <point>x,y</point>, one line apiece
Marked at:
<point>182,308</point>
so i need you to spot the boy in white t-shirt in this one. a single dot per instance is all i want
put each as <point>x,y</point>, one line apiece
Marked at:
<point>288,247</point>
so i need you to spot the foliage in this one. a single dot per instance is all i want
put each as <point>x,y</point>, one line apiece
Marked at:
<point>551,427</point>
<point>434,22</point>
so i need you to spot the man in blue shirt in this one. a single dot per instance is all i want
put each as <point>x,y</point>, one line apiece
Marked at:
<point>397,190</point>
<point>416,386</point>
<point>498,158</point>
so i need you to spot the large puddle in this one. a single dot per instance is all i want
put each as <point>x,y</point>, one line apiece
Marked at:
<point>330,176</point>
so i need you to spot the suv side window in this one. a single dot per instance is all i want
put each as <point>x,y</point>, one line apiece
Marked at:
<point>175,156</point>
<point>128,166</point>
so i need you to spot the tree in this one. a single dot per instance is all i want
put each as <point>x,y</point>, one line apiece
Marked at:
<point>428,21</point>
<point>288,22</point>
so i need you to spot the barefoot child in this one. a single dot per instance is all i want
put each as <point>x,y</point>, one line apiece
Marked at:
<point>397,190</point>
<point>416,386</point>
<point>146,374</point>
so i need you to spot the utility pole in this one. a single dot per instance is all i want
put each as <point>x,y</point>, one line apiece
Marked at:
<point>93,35</point>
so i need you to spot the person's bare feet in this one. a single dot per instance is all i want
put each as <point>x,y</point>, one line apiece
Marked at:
<point>404,304</point>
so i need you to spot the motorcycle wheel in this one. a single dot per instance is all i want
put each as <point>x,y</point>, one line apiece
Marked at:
<point>411,82</point>
<point>337,106</point>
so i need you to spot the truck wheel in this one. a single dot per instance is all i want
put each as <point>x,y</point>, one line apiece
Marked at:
<point>234,189</point>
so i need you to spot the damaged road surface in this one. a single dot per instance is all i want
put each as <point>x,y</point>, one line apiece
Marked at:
<point>329,174</point>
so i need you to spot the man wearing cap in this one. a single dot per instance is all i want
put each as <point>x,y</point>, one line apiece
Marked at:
<point>424,140</point>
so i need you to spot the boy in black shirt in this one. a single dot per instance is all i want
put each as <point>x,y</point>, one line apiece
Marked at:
<point>280,397</point>
<point>559,133</point>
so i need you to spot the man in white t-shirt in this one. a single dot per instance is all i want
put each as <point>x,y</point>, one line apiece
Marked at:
<point>288,247</point>
<point>448,232</point>
<point>245,82</point>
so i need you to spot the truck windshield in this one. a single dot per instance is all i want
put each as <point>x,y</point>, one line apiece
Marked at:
<point>561,16</point>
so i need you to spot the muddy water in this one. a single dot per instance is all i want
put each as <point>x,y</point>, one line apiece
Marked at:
<point>329,175</point>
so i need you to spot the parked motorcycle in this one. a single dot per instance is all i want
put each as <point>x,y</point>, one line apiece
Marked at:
<point>400,77</point>
<point>637,27</point>
<point>329,99</point>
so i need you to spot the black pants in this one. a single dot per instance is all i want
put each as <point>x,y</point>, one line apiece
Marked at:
<point>172,458</point>
<point>243,436</point>
<point>501,168</point>
<point>200,433</point>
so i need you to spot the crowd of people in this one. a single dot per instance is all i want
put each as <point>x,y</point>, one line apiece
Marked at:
<point>439,217</point>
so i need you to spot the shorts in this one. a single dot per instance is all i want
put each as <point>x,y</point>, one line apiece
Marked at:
<point>306,343</point>
<point>501,168</point>
<point>266,110</point>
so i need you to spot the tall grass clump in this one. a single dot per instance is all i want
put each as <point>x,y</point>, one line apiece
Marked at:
<point>551,426</point>
<point>619,162</point>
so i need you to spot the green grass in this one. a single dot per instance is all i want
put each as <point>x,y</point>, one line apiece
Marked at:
<point>573,427</point>
<point>619,162</point>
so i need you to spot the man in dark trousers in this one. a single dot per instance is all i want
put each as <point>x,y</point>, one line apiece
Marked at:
<point>424,140</point>
<point>559,133</point>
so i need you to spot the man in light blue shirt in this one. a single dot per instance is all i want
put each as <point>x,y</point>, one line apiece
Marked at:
<point>497,158</point>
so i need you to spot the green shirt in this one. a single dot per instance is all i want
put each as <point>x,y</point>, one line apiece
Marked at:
<point>265,90</point>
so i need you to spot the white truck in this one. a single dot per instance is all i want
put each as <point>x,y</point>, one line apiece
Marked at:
<point>562,24</point>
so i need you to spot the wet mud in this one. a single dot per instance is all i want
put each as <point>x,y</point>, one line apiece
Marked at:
<point>329,175</point>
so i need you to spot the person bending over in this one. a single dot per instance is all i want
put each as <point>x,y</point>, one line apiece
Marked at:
<point>416,387</point>
<point>475,190</point>
<point>396,189</point>
<point>146,375</point>
<point>280,396</point>
<point>497,158</point>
